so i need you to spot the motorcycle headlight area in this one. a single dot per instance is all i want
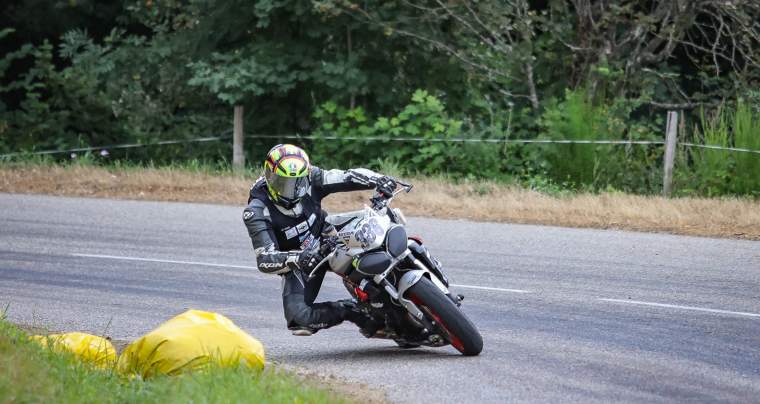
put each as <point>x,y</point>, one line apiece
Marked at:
<point>396,241</point>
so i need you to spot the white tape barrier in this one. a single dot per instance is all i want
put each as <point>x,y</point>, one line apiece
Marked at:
<point>376,139</point>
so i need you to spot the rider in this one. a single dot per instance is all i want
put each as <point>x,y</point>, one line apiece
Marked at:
<point>285,220</point>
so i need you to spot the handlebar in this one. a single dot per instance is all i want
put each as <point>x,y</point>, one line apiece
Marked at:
<point>379,201</point>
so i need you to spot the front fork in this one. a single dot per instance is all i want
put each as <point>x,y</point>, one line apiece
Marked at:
<point>432,265</point>
<point>421,253</point>
<point>409,279</point>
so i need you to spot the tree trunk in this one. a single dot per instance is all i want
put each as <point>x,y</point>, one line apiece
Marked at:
<point>533,95</point>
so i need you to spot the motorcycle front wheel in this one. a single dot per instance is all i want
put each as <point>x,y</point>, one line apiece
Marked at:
<point>455,326</point>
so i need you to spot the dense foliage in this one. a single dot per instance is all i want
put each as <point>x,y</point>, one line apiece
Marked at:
<point>364,72</point>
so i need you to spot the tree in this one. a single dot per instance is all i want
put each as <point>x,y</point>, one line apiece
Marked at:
<point>496,42</point>
<point>669,53</point>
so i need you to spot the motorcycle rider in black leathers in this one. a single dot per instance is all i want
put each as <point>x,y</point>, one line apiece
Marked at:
<point>285,221</point>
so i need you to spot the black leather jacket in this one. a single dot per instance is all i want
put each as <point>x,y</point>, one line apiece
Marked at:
<point>279,235</point>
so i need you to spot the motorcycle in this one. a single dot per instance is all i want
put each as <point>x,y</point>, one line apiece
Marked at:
<point>393,277</point>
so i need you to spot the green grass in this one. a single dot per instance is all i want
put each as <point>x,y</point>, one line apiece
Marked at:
<point>720,172</point>
<point>712,167</point>
<point>747,136</point>
<point>30,373</point>
<point>577,118</point>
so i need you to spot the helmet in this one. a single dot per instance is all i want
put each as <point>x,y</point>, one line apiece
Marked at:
<point>286,171</point>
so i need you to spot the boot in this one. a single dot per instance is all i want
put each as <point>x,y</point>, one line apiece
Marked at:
<point>368,326</point>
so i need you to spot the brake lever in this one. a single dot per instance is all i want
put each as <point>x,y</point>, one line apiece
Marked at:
<point>313,272</point>
<point>404,186</point>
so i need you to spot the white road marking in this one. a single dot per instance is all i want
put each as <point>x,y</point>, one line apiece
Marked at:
<point>207,264</point>
<point>489,288</point>
<point>211,264</point>
<point>675,306</point>
<point>635,302</point>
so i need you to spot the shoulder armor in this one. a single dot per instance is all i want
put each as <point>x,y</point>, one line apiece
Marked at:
<point>256,209</point>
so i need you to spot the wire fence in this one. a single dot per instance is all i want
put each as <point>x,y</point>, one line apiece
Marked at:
<point>707,146</point>
<point>228,136</point>
<point>118,146</point>
<point>453,140</point>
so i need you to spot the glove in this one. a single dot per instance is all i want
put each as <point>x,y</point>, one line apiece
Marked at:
<point>308,259</point>
<point>328,245</point>
<point>386,185</point>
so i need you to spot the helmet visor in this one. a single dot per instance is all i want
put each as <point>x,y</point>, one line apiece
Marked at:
<point>291,188</point>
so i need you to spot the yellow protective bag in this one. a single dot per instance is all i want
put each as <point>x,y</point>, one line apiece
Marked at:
<point>189,341</point>
<point>89,348</point>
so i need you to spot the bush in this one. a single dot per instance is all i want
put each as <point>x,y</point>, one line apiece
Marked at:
<point>593,166</point>
<point>362,141</point>
<point>102,97</point>
<point>747,136</point>
<point>716,172</point>
<point>712,168</point>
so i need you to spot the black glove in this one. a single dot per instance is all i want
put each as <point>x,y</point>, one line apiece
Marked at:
<point>328,245</point>
<point>386,185</point>
<point>308,259</point>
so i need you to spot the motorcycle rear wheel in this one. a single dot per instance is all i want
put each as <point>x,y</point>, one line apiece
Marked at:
<point>456,327</point>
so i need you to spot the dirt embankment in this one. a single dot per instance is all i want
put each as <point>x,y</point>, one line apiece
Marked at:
<point>726,217</point>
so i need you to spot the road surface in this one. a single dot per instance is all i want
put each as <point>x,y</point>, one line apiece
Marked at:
<point>567,315</point>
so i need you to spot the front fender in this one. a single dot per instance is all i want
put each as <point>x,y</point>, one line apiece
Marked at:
<point>408,280</point>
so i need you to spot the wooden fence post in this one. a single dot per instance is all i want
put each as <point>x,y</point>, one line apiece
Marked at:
<point>671,136</point>
<point>238,157</point>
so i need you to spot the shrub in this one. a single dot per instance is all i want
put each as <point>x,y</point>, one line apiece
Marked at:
<point>576,118</point>
<point>423,118</point>
<point>746,136</point>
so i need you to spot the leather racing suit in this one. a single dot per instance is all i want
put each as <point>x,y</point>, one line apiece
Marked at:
<point>279,236</point>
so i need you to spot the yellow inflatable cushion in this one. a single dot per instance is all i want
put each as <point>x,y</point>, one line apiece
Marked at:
<point>89,348</point>
<point>192,340</point>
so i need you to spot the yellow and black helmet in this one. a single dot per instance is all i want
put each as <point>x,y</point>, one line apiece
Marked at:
<point>286,171</point>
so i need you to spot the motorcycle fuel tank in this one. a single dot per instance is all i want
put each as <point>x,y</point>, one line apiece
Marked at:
<point>341,261</point>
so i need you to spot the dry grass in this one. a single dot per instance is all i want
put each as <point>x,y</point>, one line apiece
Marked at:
<point>731,218</point>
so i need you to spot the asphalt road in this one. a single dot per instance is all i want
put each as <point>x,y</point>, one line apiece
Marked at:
<point>572,316</point>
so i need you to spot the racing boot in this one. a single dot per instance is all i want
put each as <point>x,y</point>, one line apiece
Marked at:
<point>368,326</point>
